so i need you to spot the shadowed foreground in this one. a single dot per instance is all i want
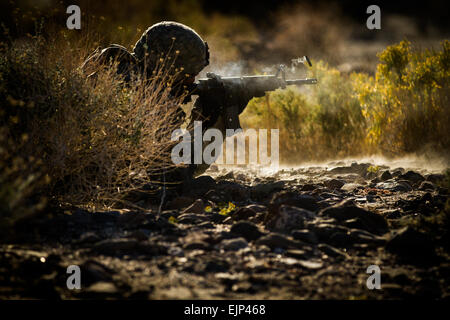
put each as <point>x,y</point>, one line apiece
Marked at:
<point>306,233</point>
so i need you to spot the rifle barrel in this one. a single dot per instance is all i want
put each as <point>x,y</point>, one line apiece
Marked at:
<point>302,81</point>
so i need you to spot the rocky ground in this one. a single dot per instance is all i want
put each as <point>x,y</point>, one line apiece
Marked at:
<point>300,233</point>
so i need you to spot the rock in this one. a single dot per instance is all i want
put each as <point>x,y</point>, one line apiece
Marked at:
<point>102,289</point>
<point>362,236</point>
<point>243,213</point>
<point>213,168</point>
<point>391,185</point>
<point>276,240</point>
<point>88,237</point>
<point>435,178</point>
<point>247,230</point>
<point>398,172</point>
<point>197,207</point>
<point>217,218</point>
<point>298,254</point>
<point>263,190</point>
<point>115,246</point>
<point>385,175</point>
<point>332,252</point>
<point>350,187</point>
<point>292,199</point>
<point>427,185</point>
<point>359,168</point>
<point>215,196</point>
<point>131,220</point>
<point>412,176</point>
<point>410,243</point>
<point>140,234</point>
<point>308,187</point>
<point>304,235</point>
<point>229,175</point>
<point>199,186</point>
<point>196,245</point>
<point>324,231</point>
<point>175,251</point>
<point>93,271</point>
<point>392,213</point>
<point>122,246</point>
<point>234,244</point>
<point>309,264</point>
<point>205,225</point>
<point>345,210</point>
<point>179,203</point>
<point>334,184</point>
<point>233,191</point>
<point>191,218</point>
<point>289,218</point>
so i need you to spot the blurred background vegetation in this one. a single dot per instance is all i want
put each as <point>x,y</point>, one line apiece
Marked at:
<point>380,91</point>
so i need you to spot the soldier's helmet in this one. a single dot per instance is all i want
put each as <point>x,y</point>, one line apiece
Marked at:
<point>179,46</point>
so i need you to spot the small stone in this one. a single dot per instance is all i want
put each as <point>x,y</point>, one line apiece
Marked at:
<point>276,240</point>
<point>190,218</point>
<point>334,184</point>
<point>234,244</point>
<point>180,202</point>
<point>263,190</point>
<point>102,288</point>
<point>246,229</point>
<point>350,187</point>
<point>88,237</point>
<point>298,254</point>
<point>197,207</point>
<point>386,175</point>
<point>175,251</point>
<point>289,218</point>
<point>308,187</point>
<point>243,213</point>
<point>309,264</point>
<point>411,243</point>
<point>435,178</point>
<point>332,252</point>
<point>412,176</point>
<point>292,199</point>
<point>427,185</point>
<point>304,235</point>
<point>345,210</point>
<point>196,245</point>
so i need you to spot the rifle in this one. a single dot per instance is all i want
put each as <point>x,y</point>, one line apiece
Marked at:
<point>228,96</point>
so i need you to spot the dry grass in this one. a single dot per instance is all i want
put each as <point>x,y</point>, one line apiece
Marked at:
<point>69,139</point>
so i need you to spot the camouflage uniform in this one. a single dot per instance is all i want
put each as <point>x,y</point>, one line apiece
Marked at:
<point>181,48</point>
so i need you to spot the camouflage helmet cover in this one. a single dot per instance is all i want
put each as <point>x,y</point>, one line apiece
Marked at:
<point>174,40</point>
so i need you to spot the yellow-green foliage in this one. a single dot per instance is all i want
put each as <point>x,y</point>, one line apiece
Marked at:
<point>407,104</point>
<point>403,109</point>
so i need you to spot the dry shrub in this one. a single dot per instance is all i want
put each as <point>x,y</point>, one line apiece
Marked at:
<point>95,141</point>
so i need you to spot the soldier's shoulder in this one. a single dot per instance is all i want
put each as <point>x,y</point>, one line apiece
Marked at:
<point>113,53</point>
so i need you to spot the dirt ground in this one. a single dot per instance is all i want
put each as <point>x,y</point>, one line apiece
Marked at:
<point>238,233</point>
